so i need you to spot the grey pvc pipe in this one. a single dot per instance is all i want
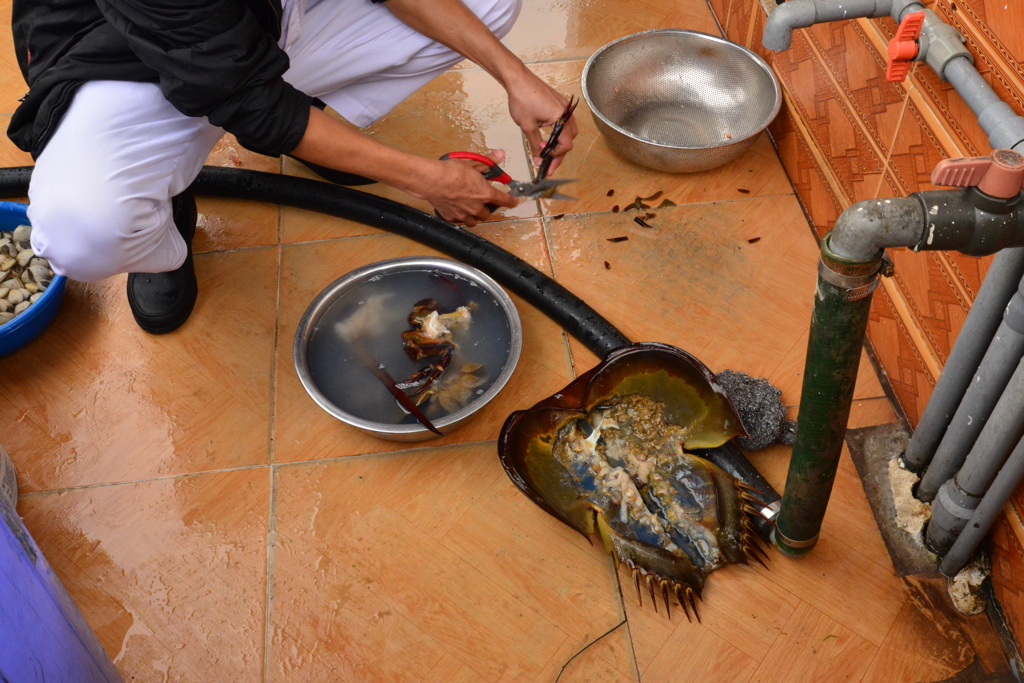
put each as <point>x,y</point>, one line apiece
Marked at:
<point>986,513</point>
<point>1004,127</point>
<point>984,318</point>
<point>959,496</point>
<point>778,27</point>
<point>1003,355</point>
<point>866,228</point>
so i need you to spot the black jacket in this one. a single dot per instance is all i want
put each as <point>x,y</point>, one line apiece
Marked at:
<point>213,58</point>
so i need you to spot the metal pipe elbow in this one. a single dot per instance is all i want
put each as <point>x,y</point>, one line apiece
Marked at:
<point>778,27</point>
<point>867,228</point>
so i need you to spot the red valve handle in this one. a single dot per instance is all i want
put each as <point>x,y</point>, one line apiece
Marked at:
<point>904,47</point>
<point>1000,175</point>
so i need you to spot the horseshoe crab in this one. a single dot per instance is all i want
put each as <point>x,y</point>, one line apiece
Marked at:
<point>608,454</point>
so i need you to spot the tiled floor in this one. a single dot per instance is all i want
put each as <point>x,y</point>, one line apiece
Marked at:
<point>215,525</point>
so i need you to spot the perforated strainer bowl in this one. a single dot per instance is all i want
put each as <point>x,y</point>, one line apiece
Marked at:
<point>680,101</point>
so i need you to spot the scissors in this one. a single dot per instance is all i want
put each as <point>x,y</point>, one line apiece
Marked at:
<point>539,189</point>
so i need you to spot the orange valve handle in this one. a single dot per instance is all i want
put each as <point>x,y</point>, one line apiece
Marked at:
<point>904,47</point>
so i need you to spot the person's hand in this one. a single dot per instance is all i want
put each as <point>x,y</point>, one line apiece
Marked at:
<point>533,105</point>
<point>459,191</point>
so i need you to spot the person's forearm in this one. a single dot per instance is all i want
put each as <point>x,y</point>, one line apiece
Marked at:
<point>332,144</point>
<point>452,24</point>
<point>456,189</point>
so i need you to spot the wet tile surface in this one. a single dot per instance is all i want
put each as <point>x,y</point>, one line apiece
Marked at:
<point>730,282</point>
<point>427,564</point>
<point>567,29</point>
<point>170,574</point>
<point>118,404</point>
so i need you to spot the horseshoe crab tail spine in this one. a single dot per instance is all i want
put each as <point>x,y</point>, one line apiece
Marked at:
<point>636,581</point>
<point>748,488</point>
<point>681,599</point>
<point>649,580</point>
<point>750,545</point>
<point>693,602</point>
<point>751,553</point>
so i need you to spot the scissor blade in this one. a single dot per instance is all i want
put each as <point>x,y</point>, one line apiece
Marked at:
<point>563,197</point>
<point>538,190</point>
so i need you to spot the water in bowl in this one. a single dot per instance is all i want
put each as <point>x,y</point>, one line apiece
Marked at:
<point>375,313</point>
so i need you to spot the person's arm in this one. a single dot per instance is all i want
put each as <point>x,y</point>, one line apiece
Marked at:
<point>456,188</point>
<point>533,104</point>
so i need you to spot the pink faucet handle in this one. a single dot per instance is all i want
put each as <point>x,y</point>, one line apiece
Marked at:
<point>1000,175</point>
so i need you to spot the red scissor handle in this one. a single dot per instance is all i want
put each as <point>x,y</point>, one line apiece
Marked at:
<point>494,172</point>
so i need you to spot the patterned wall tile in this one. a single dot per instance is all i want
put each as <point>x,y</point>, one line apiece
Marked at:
<point>898,355</point>
<point>817,197</point>
<point>834,128</point>
<point>969,270</point>
<point>915,153</point>
<point>737,25</point>
<point>860,69</point>
<point>930,294</point>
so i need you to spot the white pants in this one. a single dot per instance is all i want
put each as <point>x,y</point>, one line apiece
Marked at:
<point>100,192</point>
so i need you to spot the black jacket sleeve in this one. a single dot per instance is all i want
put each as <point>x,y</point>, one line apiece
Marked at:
<point>215,60</point>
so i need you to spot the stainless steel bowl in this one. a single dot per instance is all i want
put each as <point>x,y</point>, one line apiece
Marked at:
<point>680,101</point>
<point>339,288</point>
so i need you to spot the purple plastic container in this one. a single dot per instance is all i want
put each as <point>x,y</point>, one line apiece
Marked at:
<point>43,636</point>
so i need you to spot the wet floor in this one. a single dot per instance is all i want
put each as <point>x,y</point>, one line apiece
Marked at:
<point>214,524</point>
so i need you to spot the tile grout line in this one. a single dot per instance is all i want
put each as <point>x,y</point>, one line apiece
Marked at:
<point>271,418</point>
<point>276,466</point>
<point>394,453</point>
<point>183,475</point>
<point>885,639</point>
<point>553,60</point>
<point>625,618</point>
<point>542,215</point>
<point>271,540</point>
<point>566,344</point>
<point>269,587</point>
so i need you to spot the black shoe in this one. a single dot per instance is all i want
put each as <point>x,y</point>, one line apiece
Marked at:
<point>162,302</point>
<point>336,177</point>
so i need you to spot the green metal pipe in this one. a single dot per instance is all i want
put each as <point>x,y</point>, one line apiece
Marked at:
<point>841,306</point>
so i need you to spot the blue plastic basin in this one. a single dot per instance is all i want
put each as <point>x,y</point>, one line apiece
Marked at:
<point>31,323</point>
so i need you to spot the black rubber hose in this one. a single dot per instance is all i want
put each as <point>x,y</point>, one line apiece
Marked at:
<point>558,303</point>
<point>561,305</point>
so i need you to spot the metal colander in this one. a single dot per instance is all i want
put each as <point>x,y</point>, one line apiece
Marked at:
<point>680,101</point>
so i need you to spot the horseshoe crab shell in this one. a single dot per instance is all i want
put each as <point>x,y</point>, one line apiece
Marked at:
<point>607,455</point>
